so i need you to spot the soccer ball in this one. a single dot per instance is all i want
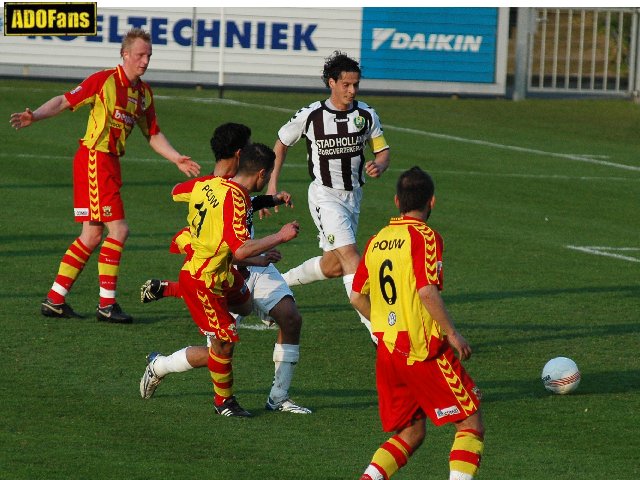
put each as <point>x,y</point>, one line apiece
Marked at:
<point>561,375</point>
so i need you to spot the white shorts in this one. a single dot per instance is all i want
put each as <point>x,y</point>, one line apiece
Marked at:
<point>267,288</point>
<point>336,214</point>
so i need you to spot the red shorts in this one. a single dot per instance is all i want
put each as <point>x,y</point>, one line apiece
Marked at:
<point>439,388</point>
<point>210,312</point>
<point>96,186</point>
<point>238,293</point>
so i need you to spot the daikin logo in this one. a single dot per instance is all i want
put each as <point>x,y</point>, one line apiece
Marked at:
<point>421,41</point>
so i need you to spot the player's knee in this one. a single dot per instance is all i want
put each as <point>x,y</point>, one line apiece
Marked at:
<point>287,316</point>
<point>91,239</point>
<point>474,422</point>
<point>118,230</point>
<point>414,435</point>
<point>290,323</point>
<point>331,267</point>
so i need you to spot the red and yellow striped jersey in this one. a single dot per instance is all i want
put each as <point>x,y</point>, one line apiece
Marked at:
<point>403,257</point>
<point>116,106</point>
<point>217,222</point>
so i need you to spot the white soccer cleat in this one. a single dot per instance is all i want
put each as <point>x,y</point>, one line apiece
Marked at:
<point>150,381</point>
<point>285,406</point>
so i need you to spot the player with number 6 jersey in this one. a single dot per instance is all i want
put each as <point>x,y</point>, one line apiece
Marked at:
<point>397,286</point>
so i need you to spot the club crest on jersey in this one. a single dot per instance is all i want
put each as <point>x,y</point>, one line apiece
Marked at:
<point>106,211</point>
<point>331,238</point>
<point>391,319</point>
<point>359,122</point>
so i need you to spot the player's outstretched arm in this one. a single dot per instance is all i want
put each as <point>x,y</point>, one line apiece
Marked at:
<point>268,257</point>
<point>161,146</point>
<point>251,248</point>
<point>48,109</point>
<point>433,302</point>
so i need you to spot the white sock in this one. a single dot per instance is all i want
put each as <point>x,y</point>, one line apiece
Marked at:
<point>455,475</point>
<point>348,285</point>
<point>374,473</point>
<point>285,357</point>
<point>307,272</point>
<point>174,363</point>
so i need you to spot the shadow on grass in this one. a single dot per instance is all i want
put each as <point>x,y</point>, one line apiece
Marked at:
<point>317,400</point>
<point>592,383</point>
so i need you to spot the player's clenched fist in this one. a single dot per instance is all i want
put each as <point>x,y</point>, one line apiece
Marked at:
<point>289,231</point>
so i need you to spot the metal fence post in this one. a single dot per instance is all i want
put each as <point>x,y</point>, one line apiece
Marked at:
<point>522,53</point>
<point>634,83</point>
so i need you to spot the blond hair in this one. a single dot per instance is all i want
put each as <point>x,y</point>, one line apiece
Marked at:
<point>131,36</point>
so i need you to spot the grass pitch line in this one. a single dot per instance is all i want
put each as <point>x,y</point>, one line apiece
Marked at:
<point>253,326</point>
<point>606,252</point>
<point>587,158</point>
<point>159,159</point>
<point>567,156</point>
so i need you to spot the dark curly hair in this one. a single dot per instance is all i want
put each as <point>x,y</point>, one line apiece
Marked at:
<point>337,63</point>
<point>228,138</point>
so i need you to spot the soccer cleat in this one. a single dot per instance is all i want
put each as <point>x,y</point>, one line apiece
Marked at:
<point>150,381</point>
<point>285,406</point>
<point>231,408</point>
<point>152,290</point>
<point>113,314</point>
<point>58,310</point>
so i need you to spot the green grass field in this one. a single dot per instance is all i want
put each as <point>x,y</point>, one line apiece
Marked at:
<point>517,184</point>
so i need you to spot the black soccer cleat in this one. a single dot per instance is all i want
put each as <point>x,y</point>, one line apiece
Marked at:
<point>57,310</point>
<point>152,290</point>
<point>113,314</point>
<point>231,408</point>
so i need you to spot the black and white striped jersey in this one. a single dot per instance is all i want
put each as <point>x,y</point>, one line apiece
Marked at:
<point>335,141</point>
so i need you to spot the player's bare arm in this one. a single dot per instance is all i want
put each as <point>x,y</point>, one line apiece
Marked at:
<point>161,145</point>
<point>433,302</point>
<point>280,149</point>
<point>251,248</point>
<point>362,303</point>
<point>48,109</point>
<point>264,260</point>
<point>376,167</point>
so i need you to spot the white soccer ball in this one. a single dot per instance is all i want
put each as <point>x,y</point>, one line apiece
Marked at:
<point>561,375</point>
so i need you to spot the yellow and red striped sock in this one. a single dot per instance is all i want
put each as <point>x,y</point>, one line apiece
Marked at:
<point>389,458</point>
<point>221,371</point>
<point>108,268</point>
<point>466,453</point>
<point>71,265</point>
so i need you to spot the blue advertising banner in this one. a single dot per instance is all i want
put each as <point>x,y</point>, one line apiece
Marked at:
<point>430,44</point>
